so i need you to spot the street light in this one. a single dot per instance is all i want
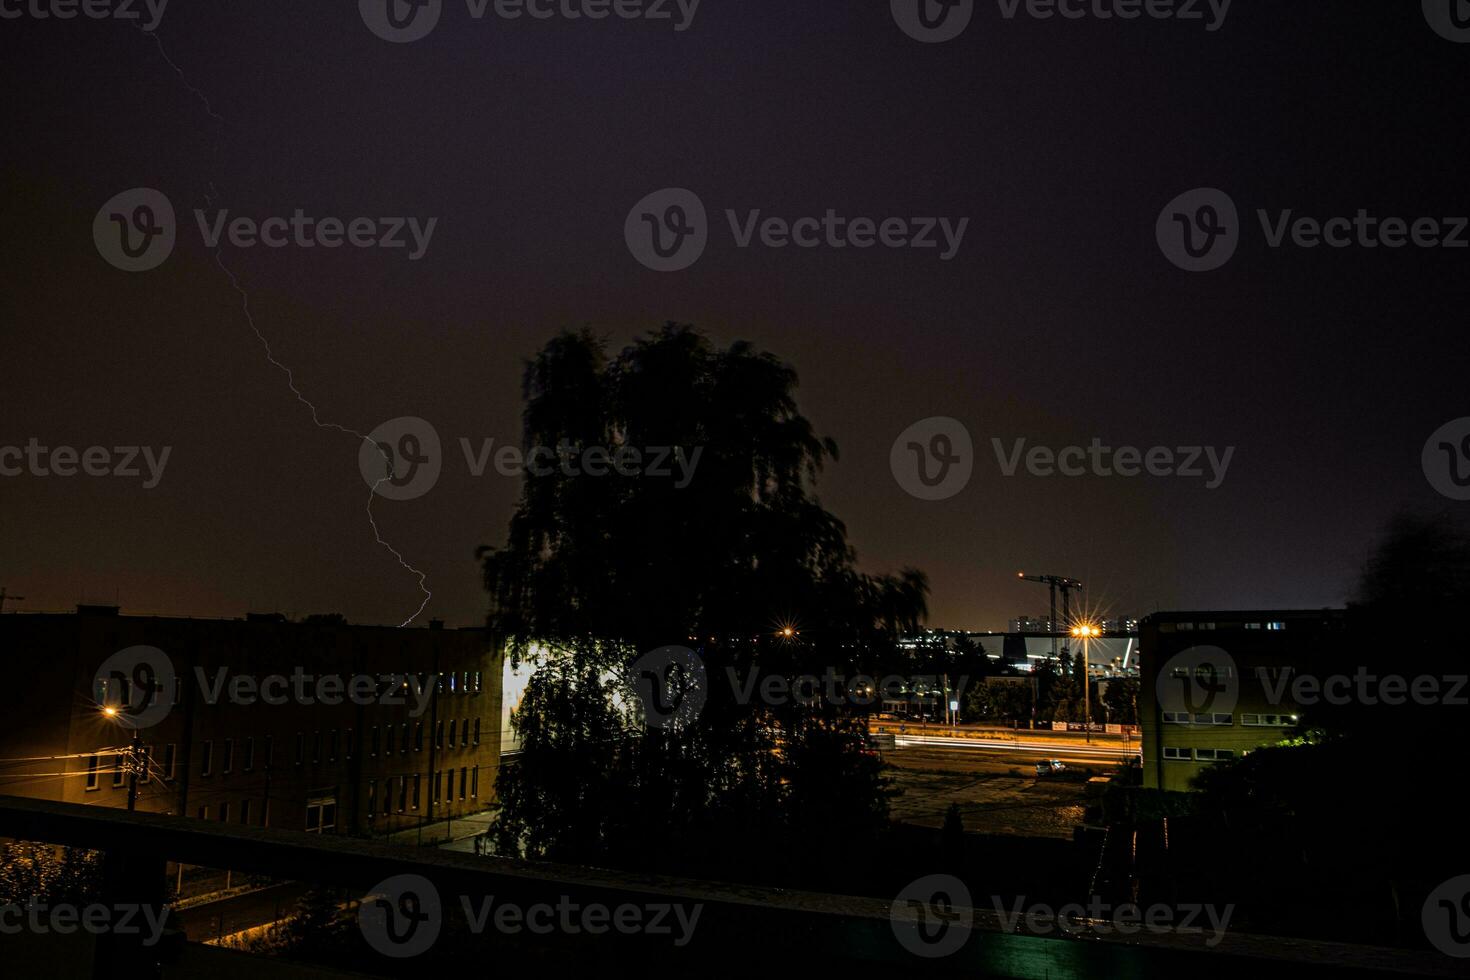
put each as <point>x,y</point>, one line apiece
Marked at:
<point>1086,632</point>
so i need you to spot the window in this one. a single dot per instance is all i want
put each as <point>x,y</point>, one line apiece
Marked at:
<point>477,682</point>
<point>247,753</point>
<point>93,761</point>
<point>464,733</point>
<point>453,683</point>
<point>1176,717</point>
<point>270,750</point>
<point>387,796</point>
<point>178,690</point>
<point>416,791</point>
<point>347,745</point>
<point>321,816</point>
<point>475,783</point>
<point>1213,755</point>
<point>300,747</point>
<point>462,782</point>
<point>477,732</point>
<point>227,757</point>
<point>374,742</point>
<point>403,747</point>
<point>169,759</point>
<point>418,736</point>
<point>1175,753</point>
<point>206,755</point>
<point>1276,626</point>
<point>245,811</point>
<point>1268,721</point>
<point>224,813</point>
<point>316,748</point>
<point>402,794</point>
<point>439,734</point>
<point>391,731</point>
<point>438,784</point>
<point>451,733</point>
<point>449,786</point>
<point>204,813</point>
<point>334,745</point>
<point>372,803</point>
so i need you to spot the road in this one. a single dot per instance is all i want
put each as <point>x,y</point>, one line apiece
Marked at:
<point>239,912</point>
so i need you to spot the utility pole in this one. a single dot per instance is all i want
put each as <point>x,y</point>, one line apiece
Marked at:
<point>4,595</point>
<point>135,762</point>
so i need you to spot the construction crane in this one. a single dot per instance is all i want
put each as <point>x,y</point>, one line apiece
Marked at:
<point>1064,585</point>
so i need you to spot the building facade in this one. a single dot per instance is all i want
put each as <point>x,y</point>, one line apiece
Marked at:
<point>1211,684</point>
<point>322,727</point>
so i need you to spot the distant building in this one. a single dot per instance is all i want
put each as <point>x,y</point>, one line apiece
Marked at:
<point>1208,680</point>
<point>407,732</point>
<point>1030,624</point>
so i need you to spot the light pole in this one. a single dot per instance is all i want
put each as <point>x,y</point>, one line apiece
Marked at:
<point>134,760</point>
<point>1086,633</point>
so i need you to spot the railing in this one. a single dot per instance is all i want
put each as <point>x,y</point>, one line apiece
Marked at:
<point>739,927</point>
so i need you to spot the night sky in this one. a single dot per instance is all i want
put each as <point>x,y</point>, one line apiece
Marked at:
<point>1059,320</point>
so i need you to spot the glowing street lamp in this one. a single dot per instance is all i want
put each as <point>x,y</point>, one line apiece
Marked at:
<point>1085,632</point>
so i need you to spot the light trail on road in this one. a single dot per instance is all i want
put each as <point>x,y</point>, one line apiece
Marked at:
<point>1053,750</point>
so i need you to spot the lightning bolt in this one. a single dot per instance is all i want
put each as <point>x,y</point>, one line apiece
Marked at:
<point>270,355</point>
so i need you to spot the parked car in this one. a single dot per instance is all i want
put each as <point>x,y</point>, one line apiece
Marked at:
<point>1049,767</point>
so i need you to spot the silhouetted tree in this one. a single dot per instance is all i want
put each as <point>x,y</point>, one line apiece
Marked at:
<point>1121,700</point>
<point>722,556</point>
<point>1353,804</point>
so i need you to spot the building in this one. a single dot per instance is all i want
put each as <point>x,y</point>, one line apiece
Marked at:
<point>318,726</point>
<point>1211,684</point>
